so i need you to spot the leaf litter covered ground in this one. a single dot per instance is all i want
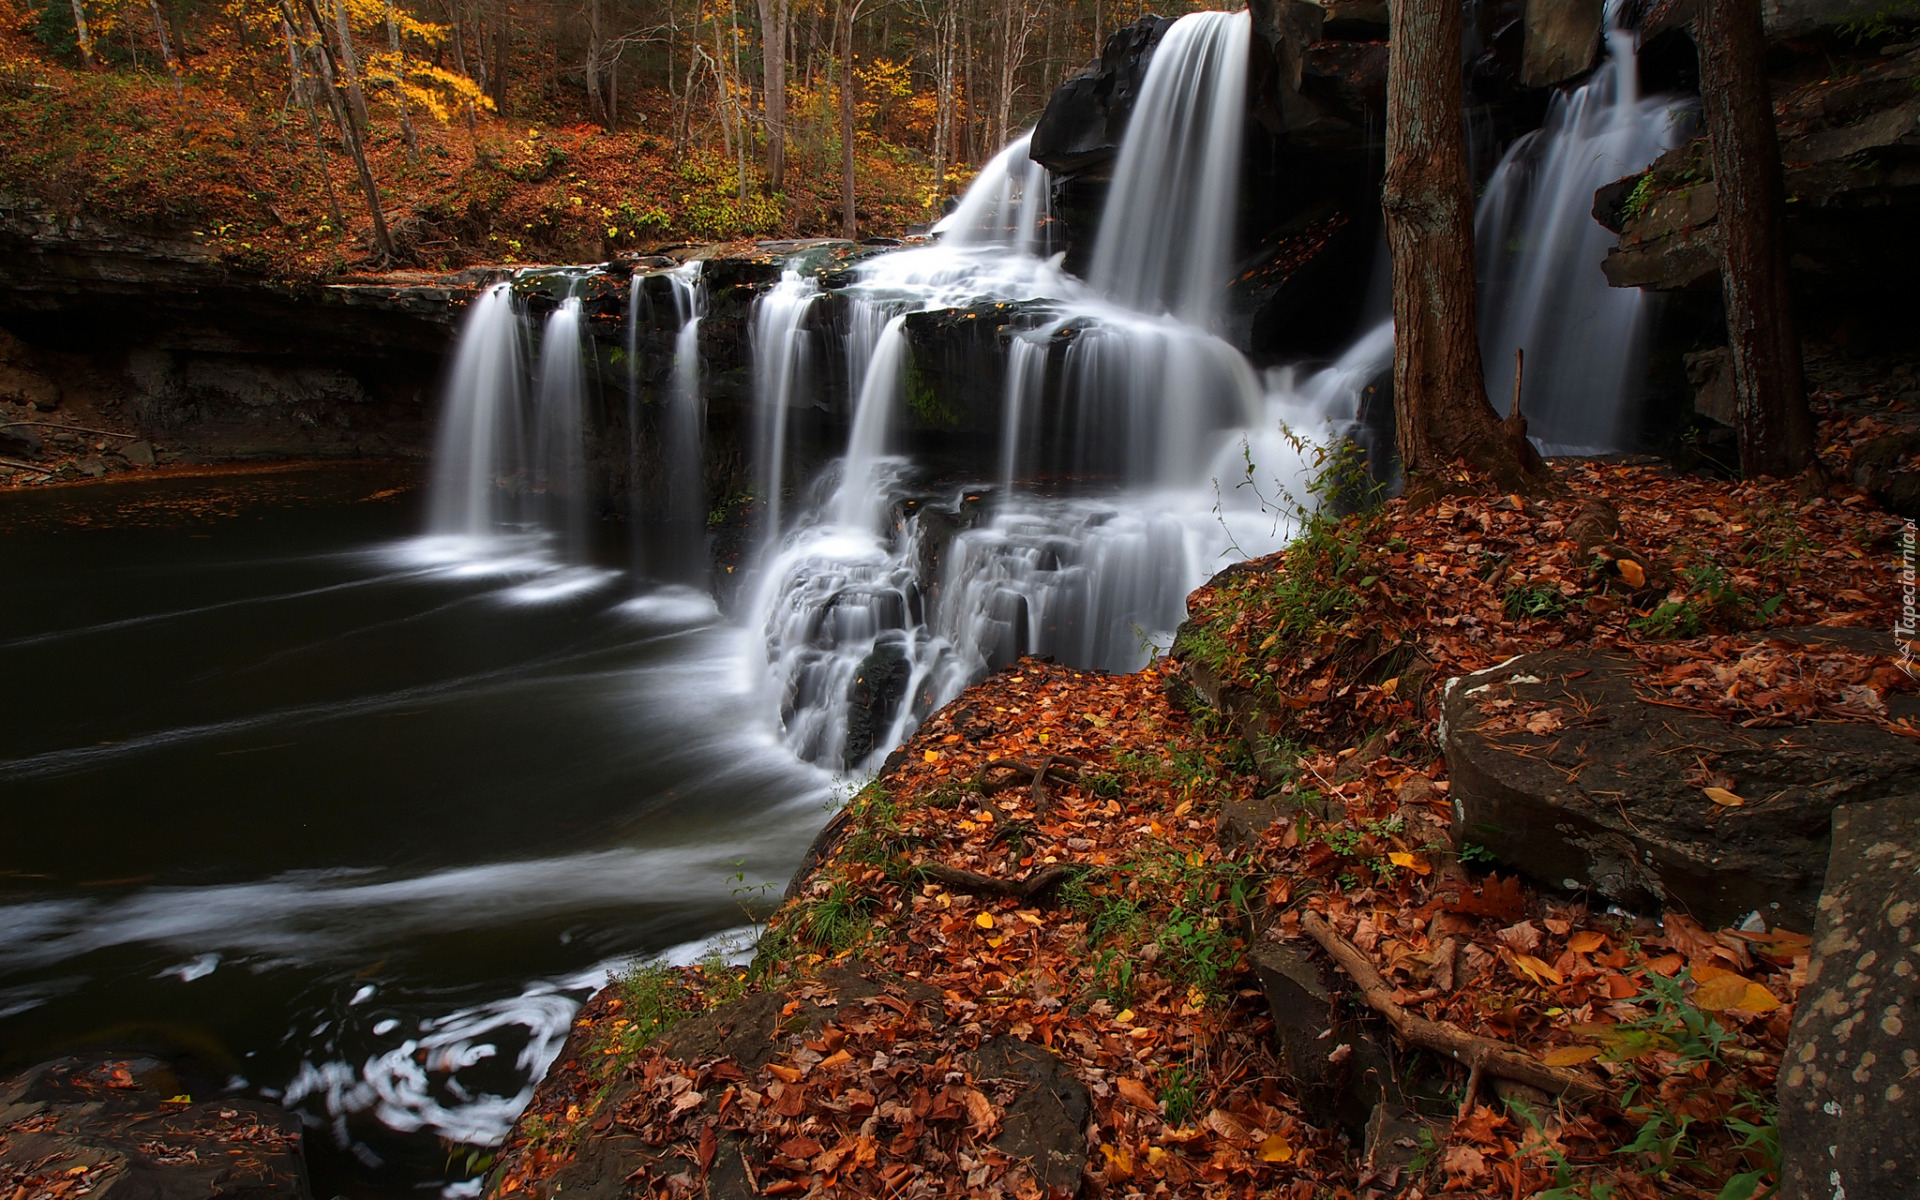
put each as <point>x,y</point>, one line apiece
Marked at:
<point>1096,912</point>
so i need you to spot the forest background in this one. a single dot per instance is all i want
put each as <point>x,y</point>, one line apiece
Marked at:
<point>306,139</point>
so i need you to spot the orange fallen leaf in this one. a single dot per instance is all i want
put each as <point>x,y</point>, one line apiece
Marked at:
<point>1135,1093</point>
<point>1536,970</point>
<point>984,920</point>
<point>1567,1056</point>
<point>1632,572</point>
<point>1276,1149</point>
<point>1417,863</point>
<point>1724,798</point>
<point>932,756</point>
<point>1586,941</point>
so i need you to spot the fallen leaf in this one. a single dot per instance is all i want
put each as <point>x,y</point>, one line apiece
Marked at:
<point>1632,572</point>
<point>1276,1149</point>
<point>1723,797</point>
<point>1536,970</point>
<point>1567,1056</point>
<point>1135,1093</point>
<point>984,920</point>
<point>1417,863</point>
<point>1586,941</point>
<point>932,756</point>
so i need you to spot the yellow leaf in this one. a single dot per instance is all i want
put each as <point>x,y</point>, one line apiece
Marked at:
<point>984,920</point>
<point>1417,863</point>
<point>932,756</point>
<point>1536,970</point>
<point>996,942</point>
<point>1567,1056</point>
<point>1632,572</point>
<point>1158,829</point>
<point>1126,1014</point>
<point>1186,806</point>
<point>1724,798</point>
<point>1275,1149</point>
<point>1720,993</point>
<point>1586,941</point>
<point>1758,999</point>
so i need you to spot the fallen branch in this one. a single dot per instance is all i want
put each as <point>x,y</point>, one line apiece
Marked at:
<point>132,437</point>
<point>974,884</point>
<point>17,465</point>
<point>1484,1055</point>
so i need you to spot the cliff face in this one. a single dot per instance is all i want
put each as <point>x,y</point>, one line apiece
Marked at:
<point>146,331</point>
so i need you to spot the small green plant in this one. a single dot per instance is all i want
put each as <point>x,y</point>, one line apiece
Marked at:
<point>1636,202</point>
<point>1477,857</point>
<point>1534,602</point>
<point>1180,1095</point>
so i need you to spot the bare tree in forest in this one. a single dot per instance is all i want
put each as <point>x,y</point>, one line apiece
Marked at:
<point>776,24</point>
<point>81,38</point>
<point>407,134</point>
<point>348,65</point>
<point>303,96</point>
<point>597,106</point>
<point>1776,426</point>
<point>166,48</point>
<point>1440,395</point>
<point>849,80</point>
<point>350,131</point>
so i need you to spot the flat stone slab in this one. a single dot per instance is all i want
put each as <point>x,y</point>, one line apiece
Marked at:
<point>115,1129</point>
<point>1850,1081</point>
<point>1563,769</point>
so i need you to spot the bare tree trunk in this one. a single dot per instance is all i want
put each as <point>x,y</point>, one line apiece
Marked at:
<point>349,65</point>
<point>166,49</point>
<point>303,96</point>
<point>739,107</point>
<point>596,47</point>
<point>349,131</point>
<point>850,222</point>
<point>969,145</point>
<point>1776,426</point>
<point>80,34</point>
<point>945,54</point>
<point>776,17</point>
<point>1440,394</point>
<point>400,94</point>
<point>502,41</point>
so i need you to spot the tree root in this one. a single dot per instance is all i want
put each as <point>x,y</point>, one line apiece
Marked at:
<point>1059,766</point>
<point>1037,882</point>
<point>1483,1055</point>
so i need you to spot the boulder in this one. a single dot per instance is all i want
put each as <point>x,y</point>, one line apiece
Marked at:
<point>1798,18</point>
<point>124,1129</point>
<point>1608,795</point>
<point>1086,117</point>
<point>20,441</point>
<point>1562,40</point>
<point>1711,374</point>
<point>1339,1058</point>
<point>1849,1084</point>
<point>1045,1122</point>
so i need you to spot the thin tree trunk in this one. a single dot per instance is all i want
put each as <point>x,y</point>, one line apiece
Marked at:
<point>1440,393</point>
<point>407,134</point>
<point>349,65</point>
<point>303,96</point>
<point>739,105</point>
<point>1776,426</point>
<point>349,132</point>
<point>596,46</point>
<point>166,49</point>
<point>775,17</point>
<point>850,222</point>
<point>80,35</point>
<point>502,38</point>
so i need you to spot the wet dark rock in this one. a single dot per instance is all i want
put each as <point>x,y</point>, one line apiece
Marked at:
<point>1562,40</point>
<point>1044,1123</point>
<point>1339,1059</point>
<point>1884,468</point>
<point>1086,118</point>
<point>20,441</point>
<point>1711,374</point>
<point>1398,1136</point>
<point>140,453</point>
<point>122,1129</point>
<point>1849,1083</point>
<point>1607,803</point>
<point>879,690</point>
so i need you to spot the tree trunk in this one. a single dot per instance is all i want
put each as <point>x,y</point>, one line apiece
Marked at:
<point>850,222</point>
<point>349,131</point>
<point>1776,426</point>
<point>80,35</point>
<point>1440,396</point>
<point>166,49</point>
<point>775,18</point>
<point>348,67</point>
<point>501,40</point>
<point>407,134</point>
<point>303,96</point>
<point>596,48</point>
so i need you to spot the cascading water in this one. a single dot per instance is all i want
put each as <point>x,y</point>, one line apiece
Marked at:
<point>684,447</point>
<point>481,439</point>
<point>559,464</point>
<point>1542,289</point>
<point>782,357</point>
<point>1166,237</point>
<point>1009,206</point>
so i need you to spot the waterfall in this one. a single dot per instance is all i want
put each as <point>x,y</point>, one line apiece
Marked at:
<point>559,464</point>
<point>1009,206</point>
<point>781,356</point>
<point>1026,378</point>
<point>480,444</point>
<point>859,503</point>
<point>1166,238</point>
<point>1539,249</point>
<point>684,447</point>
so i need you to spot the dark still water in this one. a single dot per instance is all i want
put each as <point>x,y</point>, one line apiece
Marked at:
<point>353,819</point>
